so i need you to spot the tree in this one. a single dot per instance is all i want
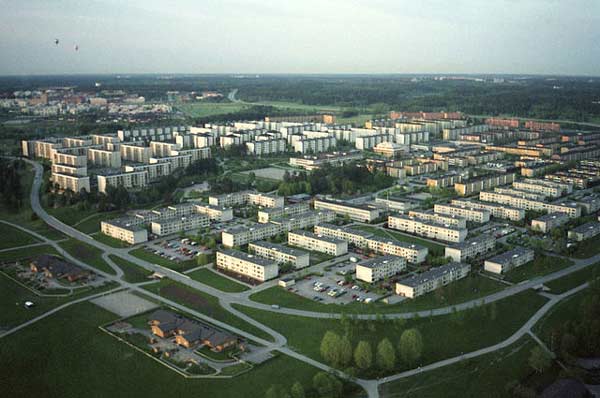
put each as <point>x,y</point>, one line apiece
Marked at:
<point>327,385</point>
<point>297,390</point>
<point>386,355</point>
<point>330,348</point>
<point>539,359</point>
<point>345,351</point>
<point>276,391</point>
<point>411,346</point>
<point>363,355</point>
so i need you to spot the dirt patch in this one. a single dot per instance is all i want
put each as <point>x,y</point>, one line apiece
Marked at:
<point>177,293</point>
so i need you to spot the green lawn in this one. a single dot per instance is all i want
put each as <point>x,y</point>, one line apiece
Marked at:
<point>91,223</point>
<point>13,237</point>
<point>472,287</point>
<point>443,336</point>
<point>203,109</point>
<point>70,215</point>
<point>131,273</point>
<point>567,310</point>
<point>80,360</point>
<point>485,376</point>
<point>574,279</point>
<point>540,266</point>
<point>26,252</point>
<point>586,248</point>
<point>109,240</point>
<point>204,303</point>
<point>210,278</point>
<point>87,253</point>
<point>435,249</point>
<point>145,255</point>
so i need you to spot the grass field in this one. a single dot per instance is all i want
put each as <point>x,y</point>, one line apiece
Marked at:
<point>443,336</point>
<point>109,240</point>
<point>131,272</point>
<point>435,249</point>
<point>569,309</point>
<point>485,376</point>
<point>540,266</point>
<point>586,248</point>
<point>203,109</point>
<point>70,215</point>
<point>81,360</point>
<point>165,262</point>
<point>91,223</point>
<point>87,253</point>
<point>13,237</point>
<point>574,279</point>
<point>27,252</point>
<point>210,278</point>
<point>472,287</point>
<point>202,302</point>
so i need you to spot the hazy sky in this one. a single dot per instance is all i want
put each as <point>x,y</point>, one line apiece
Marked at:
<point>303,36</point>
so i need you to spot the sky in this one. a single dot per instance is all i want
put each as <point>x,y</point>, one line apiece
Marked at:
<point>300,36</point>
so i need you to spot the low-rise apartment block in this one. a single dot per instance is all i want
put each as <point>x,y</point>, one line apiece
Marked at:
<point>496,210</point>
<point>431,280</point>
<point>511,259</point>
<point>379,268</point>
<point>304,220</point>
<point>247,265</point>
<point>132,180</point>
<point>478,184</point>
<point>313,162</point>
<point>427,229</point>
<point>544,187</point>
<point>465,212</point>
<point>319,243</point>
<point>357,213</point>
<point>585,231</point>
<point>215,213</point>
<point>355,237</point>
<point>470,248</point>
<point>241,235</point>
<point>438,218</point>
<point>522,203</point>
<point>266,147</point>
<point>266,215</point>
<point>74,183</point>
<point>246,197</point>
<point>127,229</point>
<point>172,225</point>
<point>413,253</point>
<point>549,221</point>
<point>280,254</point>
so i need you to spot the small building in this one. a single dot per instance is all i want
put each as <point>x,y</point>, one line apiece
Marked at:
<point>511,259</point>
<point>286,282</point>
<point>549,221</point>
<point>57,268</point>
<point>585,231</point>
<point>379,268</point>
<point>431,280</point>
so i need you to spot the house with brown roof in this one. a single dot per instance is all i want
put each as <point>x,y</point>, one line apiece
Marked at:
<point>57,268</point>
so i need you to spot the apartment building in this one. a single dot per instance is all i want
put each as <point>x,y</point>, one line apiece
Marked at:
<point>585,231</point>
<point>304,220</point>
<point>465,212</point>
<point>268,214</point>
<point>379,268</point>
<point>80,171</point>
<point>394,204</point>
<point>266,147</point>
<point>506,261</point>
<point>544,187</point>
<point>420,168</point>
<point>444,181</point>
<point>319,243</point>
<point>68,159</point>
<point>247,197</point>
<point>389,149</point>
<point>522,203</point>
<point>132,180</point>
<point>135,153</point>
<point>431,280</point>
<point>496,210</point>
<point>549,221</point>
<point>215,213</point>
<point>317,161</point>
<point>177,224</point>
<point>470,248</point>
<point>355,237</point>
<point>442,219</point>
<point>522,194</point>
<point>103,140</point>
<point>357,213</point>
<point>413,253</point>
<point>154,170</point>
<point>280,254</point>
<point>370,141</point>
<point>427,229</point>
<point>241,235</point>
<point>104,158</point>
<point>478,184</point>
<point>127,229</point>
<point>74,183</point>
<point>314,145</point>
<point>247,265</point>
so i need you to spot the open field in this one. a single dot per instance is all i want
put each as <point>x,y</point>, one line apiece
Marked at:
<point>13,237</point>
<point>210,278</point>
<point>443,336</point>
<point>70,215</point>
<point>470,288</point>
<point>131,272</point>
<point>586,248</point>
<point>109,240</point>
<point>203,109</point>
<point>568,310</point>
<point>436,249</point>
<point>91,223</point>
<point>75,367</point>
<point>540,266</point>
<point>575,279</point>
<point>26,252</point>
<point>146,255</point>
<point>202,302</point>
<point>86,253</point>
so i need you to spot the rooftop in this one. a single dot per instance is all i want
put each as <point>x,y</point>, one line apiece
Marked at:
<point>510,255</point>
<point>433,274</point>
<point>248,257</point>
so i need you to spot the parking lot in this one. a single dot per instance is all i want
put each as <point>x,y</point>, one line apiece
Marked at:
<point>176,249</point>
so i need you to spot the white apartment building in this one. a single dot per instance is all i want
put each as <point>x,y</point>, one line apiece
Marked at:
<point>427,229</point>
<point>268,214</point>
<point>215,213</point>
<point>104,158</point>
<point>280,254</point>
<point>242,235</point>
<point>549,221</point>
<point>355,237</point>
<point>526,204</point>
<point>318,243</point>
<point>127,229</point>
<point>496,210</point>
<point>177,224</point>
<point>465,212</point>
<point>80,171</point>
<point>370,141</point>
<point>246,197</point>
<point>357,213</point>
<point>248,265</point>
<point>135,153</point>
<point>155,170</point>
<point>314,145</point>
<point>437,218</point>
<point>132,180</point>
<point>511,259</point>
<point>68,159</point>
<point>585,231</point>
<point>73,182</point>
<point>379,268</point>
<point>413,253</point>
<point>544,187</point>
<point>474,185</point>
<point>304,220</point>
<point>431,280</point>
<point>266,147</point>
<point>470,248</point>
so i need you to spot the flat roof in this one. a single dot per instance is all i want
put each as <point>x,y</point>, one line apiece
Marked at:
<point>472,242</point>
<point>318,237</point>
<point>280,248</point>
<point>432,274</point>
<point>551,216</point>
<point>248,257</point>
<point>593,225</point>
<point>129,223</point>
<point>510,255</point>
<point>380,261</point>
<point>345,204</point>
<point>427,222</point>
<point>398,243</point>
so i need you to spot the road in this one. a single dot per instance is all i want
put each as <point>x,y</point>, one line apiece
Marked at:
<point>228,299</point>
